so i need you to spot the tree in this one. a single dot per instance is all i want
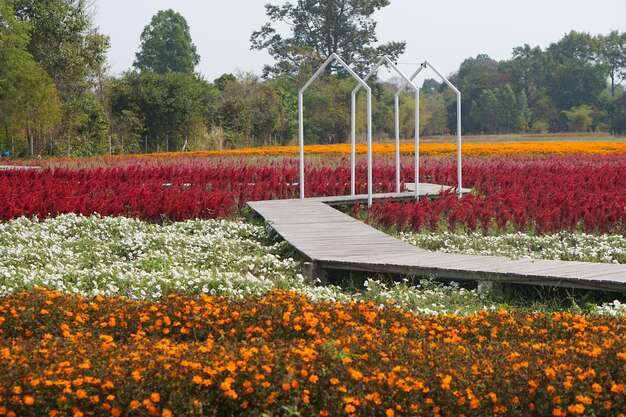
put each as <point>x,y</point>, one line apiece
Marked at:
<point>319,28</point>
<point>29,103</point>
<point>65,44</point>
<point>166,45</point>
<point>169,108</point>
<point>612,54</point>
<point>575,77</point>
<point>579,118</point>
<point>475,76</point>
<point>527,70</point>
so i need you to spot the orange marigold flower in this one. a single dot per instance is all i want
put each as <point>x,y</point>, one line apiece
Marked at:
<point>81,393</point>
<point>474,403</point>
<point>155,397</point>
<point>390,413</point>
<point>29,400</point>
<point>617,388</point>
<point>166,413</point>
<point>350,408</point>
<point>323,413</point>
<point>445,382</point>
<point>576,409</point>
<point>116,412</point>
<point>597,388</point>
<point>558,412</point>
<point>313,379</point>
<point>583,399</point>
<point>134,404</point>
<point>354,374</point>
<point>334,381</point>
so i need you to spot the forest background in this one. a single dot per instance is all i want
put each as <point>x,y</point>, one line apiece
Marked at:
<point>57,97</point>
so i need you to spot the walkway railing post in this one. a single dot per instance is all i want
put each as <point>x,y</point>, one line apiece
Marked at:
<point>332,58</point>
<point>407,82</point>
<point>458,126</point>
<point>301,140</point>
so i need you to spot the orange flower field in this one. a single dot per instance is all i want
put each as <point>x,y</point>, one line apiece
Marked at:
<point>431,149</point>
<point>63,355</point>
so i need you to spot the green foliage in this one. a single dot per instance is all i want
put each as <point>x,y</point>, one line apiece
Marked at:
<point>29,102</point>
<point>319,28</point>
<point>71,52</point>
<point>579,118</point>
<point>166,45</point>
<point>611,51</point>
<point>162,109</point>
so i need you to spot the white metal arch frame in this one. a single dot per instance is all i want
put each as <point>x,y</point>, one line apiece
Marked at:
<point>407,82</point>
<point>458,121</point>
<point>332,58</point>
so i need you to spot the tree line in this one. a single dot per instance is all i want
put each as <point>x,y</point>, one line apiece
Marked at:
<point>56,97</point>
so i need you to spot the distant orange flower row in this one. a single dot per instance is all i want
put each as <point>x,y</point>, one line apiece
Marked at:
<point>65,355</point>
<point>430,149</point>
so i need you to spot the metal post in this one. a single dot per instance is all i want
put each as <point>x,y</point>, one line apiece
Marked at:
<point>301,141</point>
<point>459,158</point>
<point>387,61</point>
<point>417,144</point>
<point>458,126</point>
<point>333,57</point>
<point>397,128</point>
<point>369,147</point>
<point>353,146</point>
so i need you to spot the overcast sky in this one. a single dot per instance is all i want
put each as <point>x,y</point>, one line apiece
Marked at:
<point>444,32</point>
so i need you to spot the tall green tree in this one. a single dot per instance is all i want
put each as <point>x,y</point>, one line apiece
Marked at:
<point>66,45</point>
<point>29,103</point>
<point>575,76</point>
<point>319,28</point>
<point>166,109</point>
<point>475,76</point>
<point>166,45</point>
<point>612,54</point>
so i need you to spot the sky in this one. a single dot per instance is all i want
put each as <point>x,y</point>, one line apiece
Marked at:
<point>443,32</point>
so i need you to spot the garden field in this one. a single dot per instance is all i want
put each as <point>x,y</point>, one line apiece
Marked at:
<point>138,286</point>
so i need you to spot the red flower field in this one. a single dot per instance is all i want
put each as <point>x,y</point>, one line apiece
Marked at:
<point>542,193</point>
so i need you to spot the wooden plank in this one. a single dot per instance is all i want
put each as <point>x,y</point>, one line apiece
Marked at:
<point>335,240</point>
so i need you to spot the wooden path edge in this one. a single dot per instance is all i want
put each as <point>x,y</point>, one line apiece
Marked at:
<point>334,240</point>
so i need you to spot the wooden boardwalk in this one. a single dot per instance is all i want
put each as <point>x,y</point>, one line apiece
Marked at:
<point>333,240</point>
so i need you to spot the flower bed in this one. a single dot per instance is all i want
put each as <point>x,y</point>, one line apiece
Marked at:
<point>541,194</point>
<point>431,149</point>
<point>156,192</point>
<point>562,246</point>
<point>66,355</point>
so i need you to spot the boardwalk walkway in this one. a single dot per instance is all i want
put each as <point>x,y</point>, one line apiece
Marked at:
<point>333,240</point>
